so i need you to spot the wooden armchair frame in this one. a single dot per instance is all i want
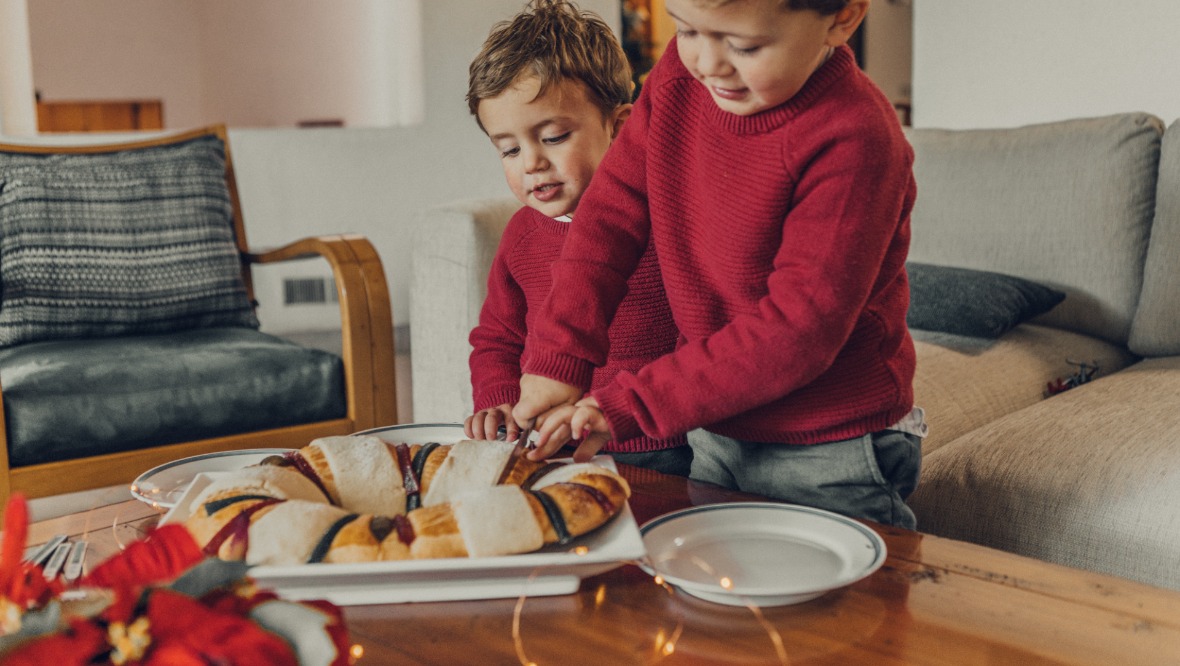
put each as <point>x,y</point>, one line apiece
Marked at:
<point>368,352</point>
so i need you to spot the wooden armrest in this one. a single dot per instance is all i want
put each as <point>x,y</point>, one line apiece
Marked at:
<point>366,320</point>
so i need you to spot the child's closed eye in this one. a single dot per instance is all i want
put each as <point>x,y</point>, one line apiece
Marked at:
<point>743,50</point>
<point>554,140</point>
<point>510,152</point>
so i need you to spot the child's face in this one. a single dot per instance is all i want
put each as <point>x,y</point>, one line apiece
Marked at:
<point>549,145</point>
<point>752,55</point>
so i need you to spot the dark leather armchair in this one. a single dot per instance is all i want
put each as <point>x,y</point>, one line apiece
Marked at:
<point>127,328</point>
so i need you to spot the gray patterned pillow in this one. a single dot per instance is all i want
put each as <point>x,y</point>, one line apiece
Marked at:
<point>132,242</point>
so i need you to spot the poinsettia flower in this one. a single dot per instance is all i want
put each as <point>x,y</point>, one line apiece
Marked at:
<point>181,625</point>
<point>315,629</point>
<point>215,614</point>
<point>161,556</point>
<point>21,584</point>
<point>78,645</point>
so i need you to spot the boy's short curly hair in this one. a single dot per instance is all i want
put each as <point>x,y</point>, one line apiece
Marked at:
<point>555,41</point>
<point>825,7</point>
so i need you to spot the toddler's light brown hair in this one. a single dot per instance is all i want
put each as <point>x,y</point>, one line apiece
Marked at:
<point>555,41</point>
<point>825,7</point>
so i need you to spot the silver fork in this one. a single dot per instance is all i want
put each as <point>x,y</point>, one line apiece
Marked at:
<point>73,568</point>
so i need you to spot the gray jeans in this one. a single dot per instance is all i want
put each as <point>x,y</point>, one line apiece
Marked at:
<point>864,477</point>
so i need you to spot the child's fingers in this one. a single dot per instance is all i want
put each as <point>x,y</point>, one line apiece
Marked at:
<point>588,418</point>
<point>539,395</point>
<point>468,429</point>
<point>589,447</point>
<point>491,423</point>
<point>553,432</point>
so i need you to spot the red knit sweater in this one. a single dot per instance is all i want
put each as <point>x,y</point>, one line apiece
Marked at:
<point>518,283</point>
<point>782,239</point>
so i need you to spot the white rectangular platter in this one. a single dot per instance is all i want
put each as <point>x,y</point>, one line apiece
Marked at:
<point>551,571</point>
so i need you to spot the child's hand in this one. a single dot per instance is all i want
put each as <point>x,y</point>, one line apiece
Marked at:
<point>485,424</point>
<point>558,426</point>
<point>591,423</point>
<point>540,394</point>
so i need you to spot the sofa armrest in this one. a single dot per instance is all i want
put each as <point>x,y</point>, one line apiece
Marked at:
<point>453,247</point>
<point>366,320</point>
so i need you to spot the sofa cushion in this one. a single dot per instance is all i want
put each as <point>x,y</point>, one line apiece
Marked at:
<point>68,399</point>
<point>1155,330</point>
<point>131,242</point>
<point>973,303</point>
<point>1065,204</point>
<point>454,245</point>
<point>1087,478</point>
<point>964,383</point>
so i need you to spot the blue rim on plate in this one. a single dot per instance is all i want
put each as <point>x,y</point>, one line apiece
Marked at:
<point>759,553</point>
<point>409,427</point>
<point>164,484</point>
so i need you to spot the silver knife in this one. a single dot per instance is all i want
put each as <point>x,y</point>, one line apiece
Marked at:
<point>57,560</point>
<point>523,442</point>
<point>38,558</point>
<point>74,562</point>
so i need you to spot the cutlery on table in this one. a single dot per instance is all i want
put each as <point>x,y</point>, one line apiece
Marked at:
<point>56,560</point>
<point>523,442</point>
<point>73,566</point>
<point>38,558</point>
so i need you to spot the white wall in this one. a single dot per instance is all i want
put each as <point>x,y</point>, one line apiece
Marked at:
<point>1005,63</point>
<point>248,63</point>
<point>378,181</point>
<point>18,115</point>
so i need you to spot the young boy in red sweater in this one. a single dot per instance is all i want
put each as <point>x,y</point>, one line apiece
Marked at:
<point>551,88</point>
<point>776,184</point>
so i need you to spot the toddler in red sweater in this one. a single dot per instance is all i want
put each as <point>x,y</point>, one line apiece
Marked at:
<point>775,183</point>
<point>551,88</point>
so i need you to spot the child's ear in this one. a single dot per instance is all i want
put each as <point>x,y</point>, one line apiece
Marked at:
<point>620,114</point>
<point>846,21</point>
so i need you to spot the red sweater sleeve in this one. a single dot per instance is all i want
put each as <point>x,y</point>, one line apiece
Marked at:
<point>781,239</point>
<point>608,236</point>
<point>498,341</point>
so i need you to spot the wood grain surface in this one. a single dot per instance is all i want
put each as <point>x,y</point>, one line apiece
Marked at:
<point>935,601</point>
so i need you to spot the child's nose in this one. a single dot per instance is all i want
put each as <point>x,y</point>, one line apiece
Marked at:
<point>711,60</point>
<point>535,160</point>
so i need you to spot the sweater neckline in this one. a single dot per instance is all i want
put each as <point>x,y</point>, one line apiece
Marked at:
<point>836,67</point>
<point>549,224</point>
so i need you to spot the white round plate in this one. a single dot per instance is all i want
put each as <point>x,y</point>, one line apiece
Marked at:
<point>419,433</point>
<point>165,484</point>
<point>765,554</point>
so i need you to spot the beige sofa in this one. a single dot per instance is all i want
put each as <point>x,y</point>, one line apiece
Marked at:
<point>1089,477</point>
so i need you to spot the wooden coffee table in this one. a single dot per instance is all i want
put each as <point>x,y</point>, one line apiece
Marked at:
<point>935,601</point>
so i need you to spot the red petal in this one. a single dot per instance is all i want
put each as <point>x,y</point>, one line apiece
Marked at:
<point>178,621</point>
<point>76,647</point>
<point>163,555</point>
<point>16,532</point>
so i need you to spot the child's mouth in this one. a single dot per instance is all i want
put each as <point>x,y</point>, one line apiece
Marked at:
<point>730,93</point>
<point>547,192</point>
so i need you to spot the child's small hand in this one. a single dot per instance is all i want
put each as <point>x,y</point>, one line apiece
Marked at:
<point>558,426</point>
<point>539,395</point>
<point>591,422</point>
<point>485,424</point>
